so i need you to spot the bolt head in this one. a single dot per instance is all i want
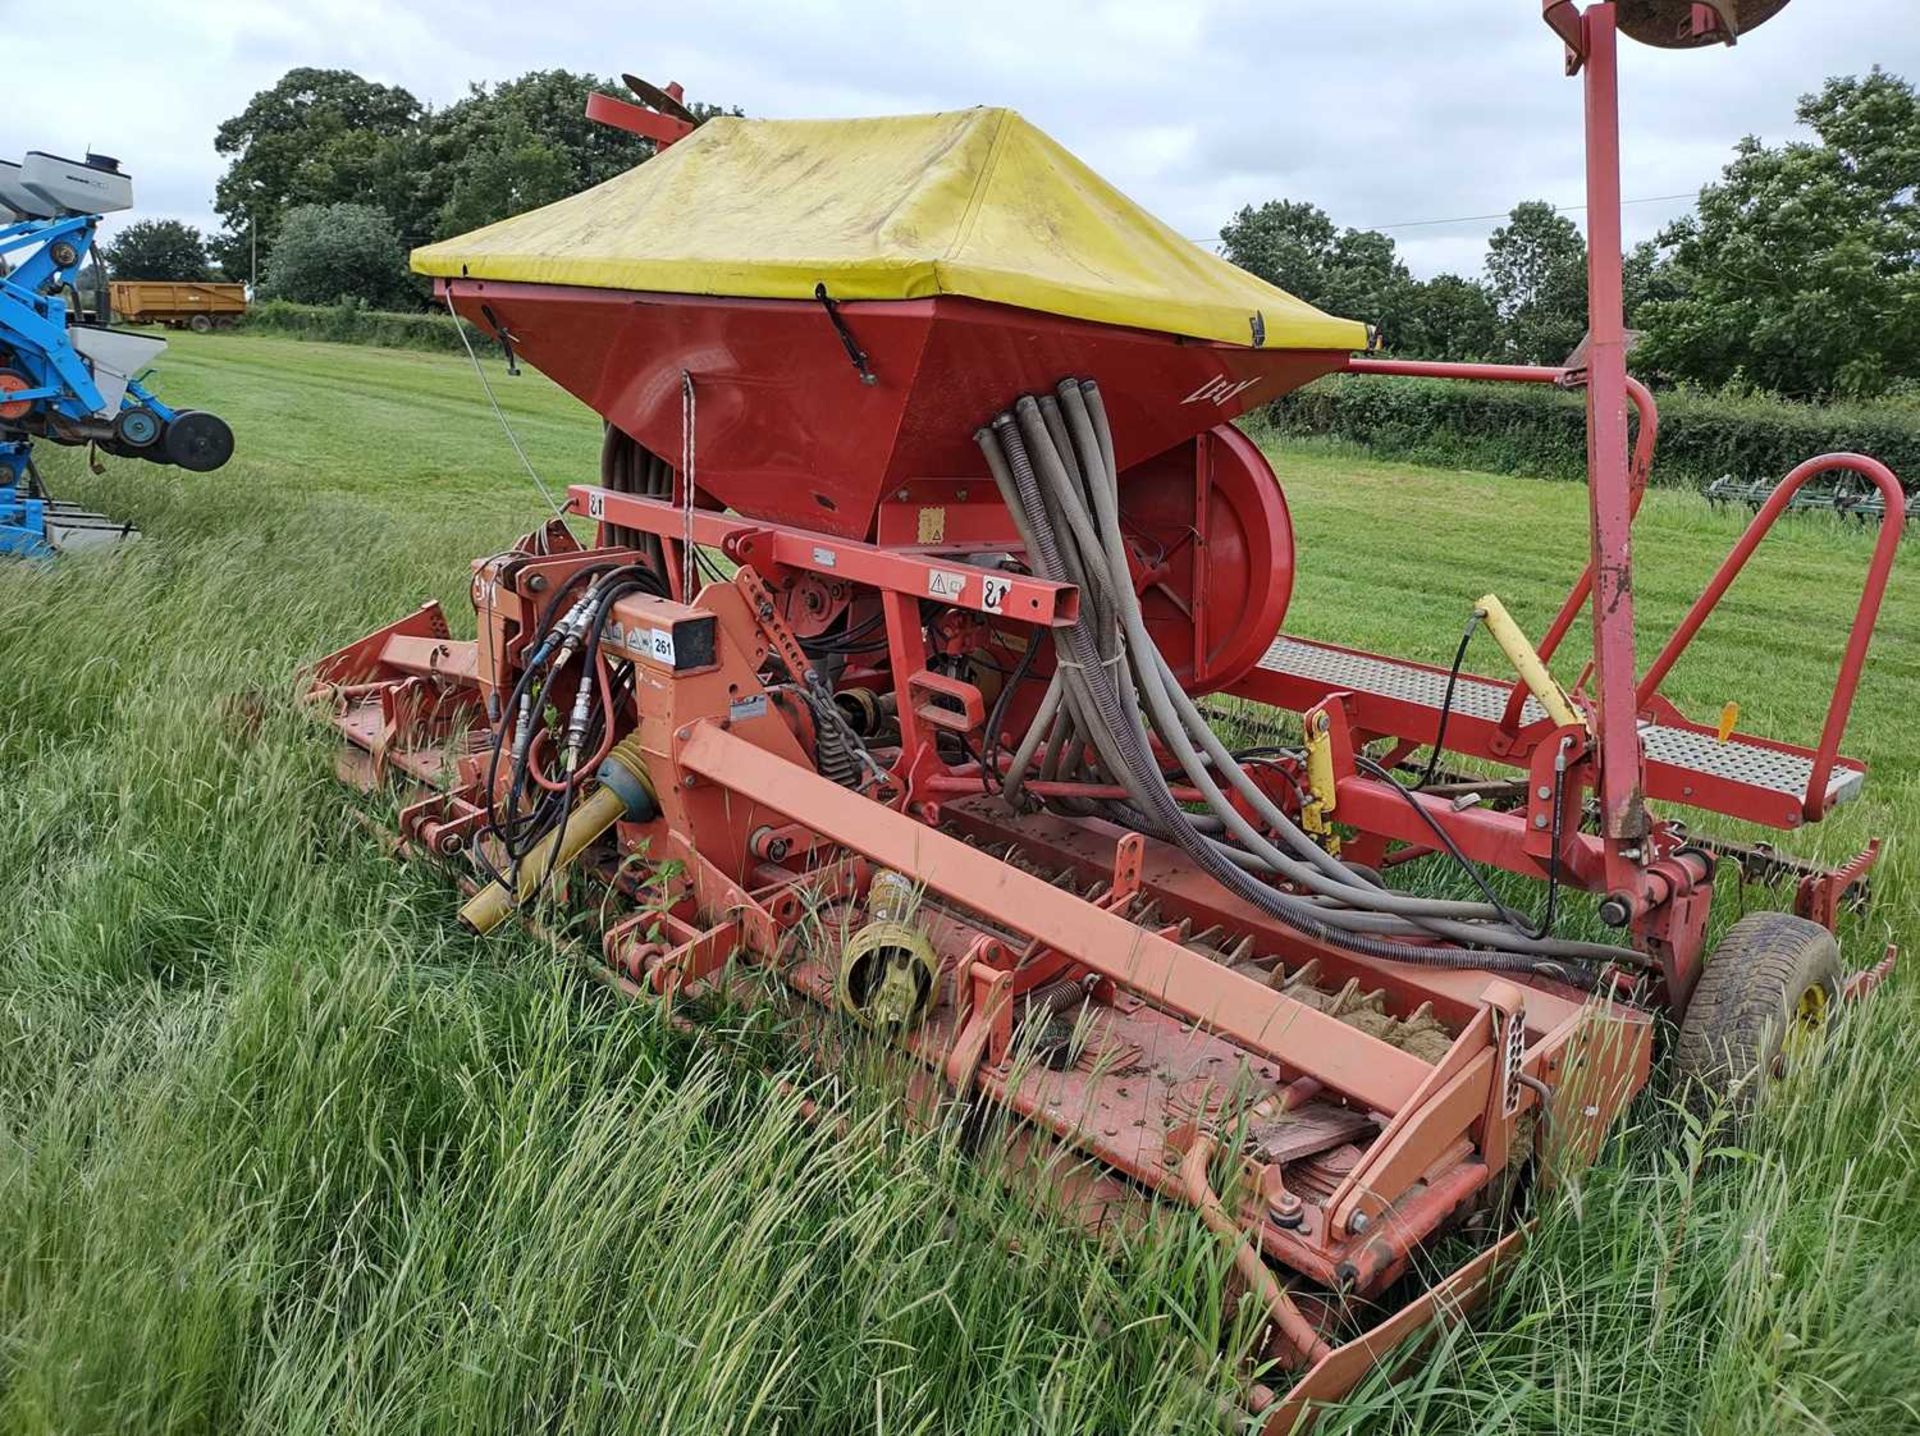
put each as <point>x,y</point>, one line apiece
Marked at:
<point>1358,1223</point>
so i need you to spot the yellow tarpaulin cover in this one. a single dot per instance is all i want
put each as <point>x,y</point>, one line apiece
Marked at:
<point>970,202</point>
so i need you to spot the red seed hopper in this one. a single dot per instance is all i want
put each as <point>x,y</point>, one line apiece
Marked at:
<point>921,526</point>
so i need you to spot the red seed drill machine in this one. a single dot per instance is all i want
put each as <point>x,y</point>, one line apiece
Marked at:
<point>920,530</point>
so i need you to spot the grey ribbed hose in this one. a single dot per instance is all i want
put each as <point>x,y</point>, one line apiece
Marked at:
<point>1461,922</point>
<point>1157,802</point>
<point>1120,738</point>
<point>1164,697</point>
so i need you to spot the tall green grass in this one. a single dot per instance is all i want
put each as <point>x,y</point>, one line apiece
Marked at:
<point>282,1150</point>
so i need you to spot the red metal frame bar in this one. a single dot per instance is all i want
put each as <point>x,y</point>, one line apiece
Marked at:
<point>1623,816</point>
<point>663,130</point>
<point>1645,442</point>
<point>947,580</point>
<point>1886,549</point>
<point>1299,1036</point>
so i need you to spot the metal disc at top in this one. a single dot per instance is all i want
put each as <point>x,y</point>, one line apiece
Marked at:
<point>1669,24</point>
<point>658,98</point>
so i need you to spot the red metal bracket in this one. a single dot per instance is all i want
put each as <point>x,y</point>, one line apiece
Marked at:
<point>1819,895</point>
<point>927,687</point>
<point>1886,549</point>
<point>1862,984</point>
<point>955,584</point>
<point>620,114</point>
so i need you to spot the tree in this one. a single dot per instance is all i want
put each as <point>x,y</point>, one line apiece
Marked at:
<point>1288,243</point>
<point>514,146</point>
<point>1366,280</point>
<point>508,173</point>
<point>1800,270</point>
<point>157,249</point>
<point>1649,278</point>
<point>317,137</point>
<point>1537,272</point>
<point>331,137</point>
<point>329,253</point>
<point>1447,317</point>
<point>1356,273</point>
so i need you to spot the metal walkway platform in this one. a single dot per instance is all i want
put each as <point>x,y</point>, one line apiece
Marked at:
<point>1738,762</point>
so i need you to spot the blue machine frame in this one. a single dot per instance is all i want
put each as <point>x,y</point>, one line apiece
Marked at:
<point>51,378</point>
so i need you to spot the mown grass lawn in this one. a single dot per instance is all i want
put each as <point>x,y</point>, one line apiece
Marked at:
<point>281,1150</point>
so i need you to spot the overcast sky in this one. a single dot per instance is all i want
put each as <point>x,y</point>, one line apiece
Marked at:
<point>1385,113</point>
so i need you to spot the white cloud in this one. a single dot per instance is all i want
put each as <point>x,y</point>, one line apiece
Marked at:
<point>1380,113</point>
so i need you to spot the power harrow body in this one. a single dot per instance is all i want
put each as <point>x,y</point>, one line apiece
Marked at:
<point>69,382</point>
<point>877,674</point>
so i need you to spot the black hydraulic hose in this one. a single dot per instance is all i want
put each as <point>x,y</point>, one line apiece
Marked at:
<point>1519,936</point>
<point>1447,844</point>
<point>990,764</point>
<point>1446,702</point>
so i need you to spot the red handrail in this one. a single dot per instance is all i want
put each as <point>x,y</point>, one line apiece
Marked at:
<point>1637,475</point>
<point>1864,618</point>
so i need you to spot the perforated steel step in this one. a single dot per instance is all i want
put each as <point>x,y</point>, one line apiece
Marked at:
<point>1734,761</point>
<point>1745,763</point>
<point>1362,673</point>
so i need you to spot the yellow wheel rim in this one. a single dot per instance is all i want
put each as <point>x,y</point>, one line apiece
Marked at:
<point>1809,1017</point>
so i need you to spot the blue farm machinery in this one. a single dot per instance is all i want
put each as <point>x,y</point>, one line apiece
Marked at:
<point>66,381</point>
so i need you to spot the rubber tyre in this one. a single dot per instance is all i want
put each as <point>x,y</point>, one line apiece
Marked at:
<point>200,324</point>
<point>1755,988</point>
<point>198,441</point>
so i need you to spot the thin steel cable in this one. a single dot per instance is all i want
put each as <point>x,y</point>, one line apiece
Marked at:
<point>498,413</point>
<point>688,409</point>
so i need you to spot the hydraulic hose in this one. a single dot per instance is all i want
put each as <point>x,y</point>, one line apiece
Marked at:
<point>1164,697</point>
<point>1048,458</point>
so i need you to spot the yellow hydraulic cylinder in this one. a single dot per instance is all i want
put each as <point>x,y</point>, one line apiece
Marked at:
<point>1322,795</point>
<point>600,810</point>
<point>1527,663</point>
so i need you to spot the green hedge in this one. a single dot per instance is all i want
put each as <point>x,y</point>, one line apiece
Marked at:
<point>1531,429</point>
<point>356,324</point>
